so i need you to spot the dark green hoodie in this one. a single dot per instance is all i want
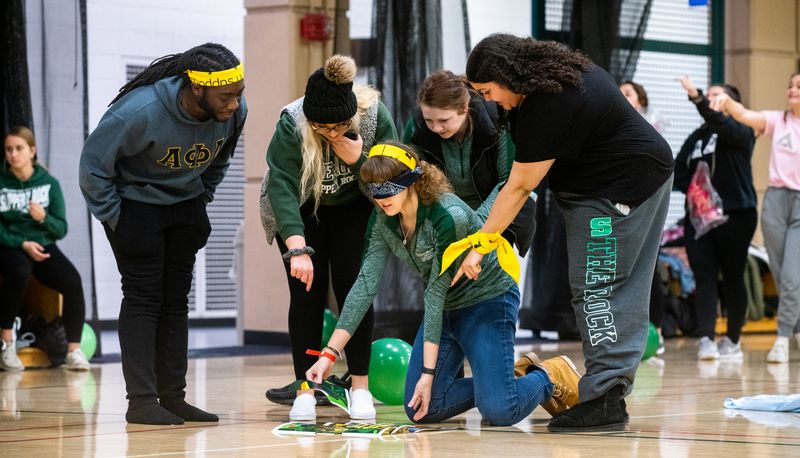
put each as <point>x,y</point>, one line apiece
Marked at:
<point>16,224</point>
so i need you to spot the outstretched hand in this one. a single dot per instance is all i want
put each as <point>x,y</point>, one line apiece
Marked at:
<point>720,102</point>
<point>688,86</point>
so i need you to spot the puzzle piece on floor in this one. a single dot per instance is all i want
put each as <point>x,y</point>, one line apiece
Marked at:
<point>350,429</point>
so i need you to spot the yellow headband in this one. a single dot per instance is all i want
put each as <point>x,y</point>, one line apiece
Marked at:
<point>218,78</point>
<point>394,152</point>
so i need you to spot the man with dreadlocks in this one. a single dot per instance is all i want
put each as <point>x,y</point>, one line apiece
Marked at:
<point>147,173</point>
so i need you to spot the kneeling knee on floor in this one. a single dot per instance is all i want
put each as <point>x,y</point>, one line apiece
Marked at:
<point>498,415</point>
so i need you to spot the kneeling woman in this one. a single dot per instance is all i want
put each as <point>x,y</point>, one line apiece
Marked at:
<point>417,219</point>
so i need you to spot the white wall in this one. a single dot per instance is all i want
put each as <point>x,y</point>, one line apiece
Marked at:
<point>124,32</point>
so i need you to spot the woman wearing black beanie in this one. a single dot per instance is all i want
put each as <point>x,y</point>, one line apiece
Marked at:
<point>312,205</point>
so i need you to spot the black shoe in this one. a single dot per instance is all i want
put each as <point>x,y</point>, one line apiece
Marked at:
<point>625,410</point>
<point>343,382</point>
<point>606,413</point>
<point>285,395</point>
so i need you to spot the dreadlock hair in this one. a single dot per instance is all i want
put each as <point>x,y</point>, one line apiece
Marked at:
<point>524,65</point>
<point>209,57</point>
<point>429,187</point>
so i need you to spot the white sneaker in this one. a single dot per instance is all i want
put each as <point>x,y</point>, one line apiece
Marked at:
<point>8,359</point>
<point>708,350</point>
<point>361,405</point>
<point>304,408</point>
<point>661,348</point>
<point>730,350</point>
<point>779,352</point>
<point>76,361</point>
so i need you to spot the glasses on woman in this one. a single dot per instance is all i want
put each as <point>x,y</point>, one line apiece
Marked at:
<point>328,128</point>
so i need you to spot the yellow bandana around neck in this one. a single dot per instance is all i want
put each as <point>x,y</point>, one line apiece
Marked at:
<point>218,78</point>
<point>484,244</point>
<point>395,152</point>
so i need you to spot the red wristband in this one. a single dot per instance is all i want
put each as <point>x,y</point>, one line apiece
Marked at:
<point>323,354</point>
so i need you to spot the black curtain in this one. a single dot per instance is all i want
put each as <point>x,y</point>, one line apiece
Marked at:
<point>611,33</point>
<point>15,95</point>
<point>408,40</point>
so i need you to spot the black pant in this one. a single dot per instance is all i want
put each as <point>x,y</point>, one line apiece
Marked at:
<point>724,249</point>
<point>155,247</point>
<point>55,272</point>
<point>337,236</point>
<point>656,299</point>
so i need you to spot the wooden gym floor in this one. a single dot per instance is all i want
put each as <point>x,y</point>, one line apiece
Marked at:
<point>676,411</point>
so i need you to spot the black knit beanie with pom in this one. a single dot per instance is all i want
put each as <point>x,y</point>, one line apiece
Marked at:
<point>329,95</point>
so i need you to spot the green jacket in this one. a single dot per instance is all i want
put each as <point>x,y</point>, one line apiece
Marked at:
<point>16,224</point>
<point>438,225</point>
<point>280,192</point>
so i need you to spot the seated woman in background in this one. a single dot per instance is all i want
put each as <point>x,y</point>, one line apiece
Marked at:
<point>32,219</point>
<point>416,219</point>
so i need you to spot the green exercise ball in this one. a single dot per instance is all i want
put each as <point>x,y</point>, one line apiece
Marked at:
<point>88,341</point>
<point>387,370</point>
<point>651,347</point>
<point>328,325</point>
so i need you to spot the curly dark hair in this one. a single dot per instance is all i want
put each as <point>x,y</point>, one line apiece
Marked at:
<point>429,187</point>
<point>524,65</point>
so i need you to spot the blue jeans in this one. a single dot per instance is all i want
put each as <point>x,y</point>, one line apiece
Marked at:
<point>484,334</point>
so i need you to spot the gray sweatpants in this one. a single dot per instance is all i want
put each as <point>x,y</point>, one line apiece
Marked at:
<point>612,256</point>
<point>780,223</point>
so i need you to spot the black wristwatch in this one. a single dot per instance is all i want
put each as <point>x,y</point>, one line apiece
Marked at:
<point>297,252</point>
<point>429,371</point>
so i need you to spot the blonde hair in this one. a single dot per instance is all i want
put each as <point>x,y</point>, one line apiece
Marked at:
<point>312,149</point>
<point>429,187</point>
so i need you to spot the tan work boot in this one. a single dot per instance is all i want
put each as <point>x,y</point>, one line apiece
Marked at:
<point>562,374</point>
<point>526,361</point>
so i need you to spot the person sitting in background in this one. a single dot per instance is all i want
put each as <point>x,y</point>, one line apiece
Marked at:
<point>727,146</point>
<point>780,220</point>
<point>32,219</point>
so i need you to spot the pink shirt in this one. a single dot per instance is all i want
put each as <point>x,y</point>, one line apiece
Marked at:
<point>784,161</point>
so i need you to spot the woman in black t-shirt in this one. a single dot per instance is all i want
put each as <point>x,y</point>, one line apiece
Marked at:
<point>611,173</point>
